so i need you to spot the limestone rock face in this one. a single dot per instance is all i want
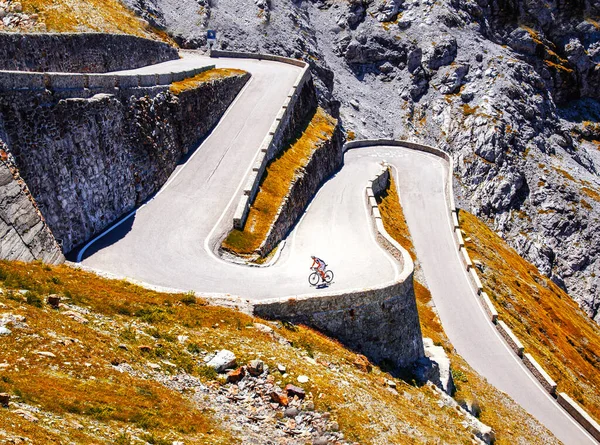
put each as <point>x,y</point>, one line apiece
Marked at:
<point>24,235</point>
<point>516,105</point>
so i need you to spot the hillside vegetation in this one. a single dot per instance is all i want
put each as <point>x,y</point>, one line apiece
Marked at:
<point>559,335</point>
<point>511,423</point>
<point>121,364</point>
<point>109,16</point>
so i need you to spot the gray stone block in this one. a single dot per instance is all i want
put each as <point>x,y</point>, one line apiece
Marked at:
<point>101,81</point>
<point>165,79</point>
<point>67,81</point>
<point>130,81</point>
<point>148,80</point>
<point>22,81</point>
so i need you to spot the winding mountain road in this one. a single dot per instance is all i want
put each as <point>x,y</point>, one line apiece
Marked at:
<point>171,239</point>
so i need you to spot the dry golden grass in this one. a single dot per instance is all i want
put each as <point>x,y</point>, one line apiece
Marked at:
<point>123,314</point>
<point>80,381</point>
<point>511,423</point>
<point>110,16</point>
<point>276,182</point>
<point>551,326</point>
<point>206,76</point>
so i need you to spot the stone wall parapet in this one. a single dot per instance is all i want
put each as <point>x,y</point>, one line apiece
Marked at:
<point>579,414</point>
<point>57,82</point>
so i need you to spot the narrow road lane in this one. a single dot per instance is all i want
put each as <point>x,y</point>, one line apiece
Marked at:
<point>168,241</point>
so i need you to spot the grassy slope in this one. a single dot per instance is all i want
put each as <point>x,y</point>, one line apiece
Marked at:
<point>560,336</point>
<point>276,182</point>
<point>98,396</point>
<point>109,16</point>
<point>206,76</point>
<point>511,423</point>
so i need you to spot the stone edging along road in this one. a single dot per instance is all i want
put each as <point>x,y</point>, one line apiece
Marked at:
<point>576,411</point>
<point>273,141</point>
<point>102,82</point>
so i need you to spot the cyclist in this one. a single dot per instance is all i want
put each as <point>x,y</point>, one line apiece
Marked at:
<point>320,266</point>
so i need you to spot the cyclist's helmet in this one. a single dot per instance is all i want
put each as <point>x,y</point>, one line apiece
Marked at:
<point>313,257</point>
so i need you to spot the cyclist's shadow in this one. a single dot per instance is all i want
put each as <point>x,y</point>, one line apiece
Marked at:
<point>323,285</point>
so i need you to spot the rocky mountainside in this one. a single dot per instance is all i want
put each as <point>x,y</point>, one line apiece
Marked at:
<point>509,87</point>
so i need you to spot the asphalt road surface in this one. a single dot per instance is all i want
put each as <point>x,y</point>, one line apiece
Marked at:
<point>170,241</point>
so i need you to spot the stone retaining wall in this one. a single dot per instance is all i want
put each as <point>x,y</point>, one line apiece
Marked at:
<point>80,52</point>
<point>88,161</point>
<point>24,234</point>
<point>380,322</point>
<point>95,83</point>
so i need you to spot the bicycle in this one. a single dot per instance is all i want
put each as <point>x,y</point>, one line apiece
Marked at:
<point>315,277</point>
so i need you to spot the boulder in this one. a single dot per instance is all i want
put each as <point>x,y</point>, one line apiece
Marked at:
<point>223,360</point>
<point>292,391</point>
<point>256,367</point>
<point>236,375</point>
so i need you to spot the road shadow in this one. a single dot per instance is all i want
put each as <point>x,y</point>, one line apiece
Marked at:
<point>115,235</point>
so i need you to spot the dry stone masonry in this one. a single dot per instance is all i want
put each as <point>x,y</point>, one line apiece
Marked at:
<point>80,53</point>
<point>88,161</point>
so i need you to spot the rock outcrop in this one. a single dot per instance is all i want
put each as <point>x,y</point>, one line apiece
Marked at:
<point>88,161</point>
<point>23,230</point>
<point>509,87</point>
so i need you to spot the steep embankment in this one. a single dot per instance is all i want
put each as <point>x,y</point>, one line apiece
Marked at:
<point>107,16</point>
<point>549,324</point>
<point>116,363</point>
<point>480,79</point>
<point>94,159</point>
<point>493,407</point>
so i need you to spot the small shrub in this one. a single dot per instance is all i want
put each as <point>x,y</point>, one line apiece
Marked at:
<point>193,348</point>
<point>459,376</point>
<point>33,299</point>
<point>189,298</point>
<point>208,372</point>
<point>123,439</point>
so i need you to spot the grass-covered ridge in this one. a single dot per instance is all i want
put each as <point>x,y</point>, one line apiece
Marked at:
<point>84,399</point>
<point>206,76</point>
<point>110,16</point>
<point>511,423</point>
<point>551,326</point>
<point>275,184</point>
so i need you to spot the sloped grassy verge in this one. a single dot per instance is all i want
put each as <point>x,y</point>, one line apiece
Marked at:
<point>494,408</point>
<point>79,393</point>
<point>276,183</point>
<point>206,76</point>
<point>551,326</point>
<point>109,16</point>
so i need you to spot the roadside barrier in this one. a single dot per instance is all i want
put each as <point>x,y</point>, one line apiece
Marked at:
<point>30,81</point>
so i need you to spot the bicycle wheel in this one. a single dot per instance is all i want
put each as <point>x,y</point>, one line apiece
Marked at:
<point>328,276</point>
<point>313,279</point>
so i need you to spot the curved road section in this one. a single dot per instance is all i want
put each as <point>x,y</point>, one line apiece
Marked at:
<point>170,241</point>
